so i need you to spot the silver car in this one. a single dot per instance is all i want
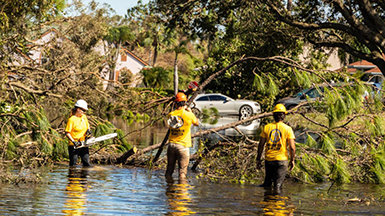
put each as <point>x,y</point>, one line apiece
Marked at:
<point>225,105</point>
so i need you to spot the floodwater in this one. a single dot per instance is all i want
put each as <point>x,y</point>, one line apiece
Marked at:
<point>109,190</point>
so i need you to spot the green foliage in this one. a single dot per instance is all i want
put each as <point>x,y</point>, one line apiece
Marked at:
<point>353,145</point>
<point>340,172</point>
<point>301,78</point>
<point>103,129</point>
<point>157,77</point>
<point>119,34</point>
<point>11,151</point>
<point>210,115</point>
<point>273,88</point>
<point>123,143</point>
<point>259,83</point>
<point>310,141</point>
<point>378,167</point>
<point>376,126</point>
<point>342,101</point>
<point>313,168</point>
<point>326,144</point>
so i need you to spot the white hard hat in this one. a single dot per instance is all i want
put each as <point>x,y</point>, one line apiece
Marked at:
<point>81,104</point>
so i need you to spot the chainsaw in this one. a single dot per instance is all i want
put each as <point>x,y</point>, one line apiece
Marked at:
<point>93,140</point>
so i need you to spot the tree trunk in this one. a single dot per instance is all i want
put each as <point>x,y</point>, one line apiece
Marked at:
<point>149,56</point>
<point>289,5</point>
<point>381,65</point>
<point>112,65</point>
<point>155,44</point>
<point>176,73</point>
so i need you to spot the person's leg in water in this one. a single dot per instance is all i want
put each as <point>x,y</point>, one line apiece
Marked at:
<point>85,156</point>
<point>279,177</point>
<point>73,155</point>
<point>183,161</point>
<point>171,161</point>
<point>268,174</point>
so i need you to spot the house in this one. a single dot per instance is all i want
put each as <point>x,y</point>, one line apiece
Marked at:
<point>127,67</point>
<point>371,73</point>
<point>332,60</point>
<point>127,63</point>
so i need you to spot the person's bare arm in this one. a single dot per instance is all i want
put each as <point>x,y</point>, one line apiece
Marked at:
<point>261,146</point>
<point>292,154</point>
<point>68,135</point>
<point>196,123</point>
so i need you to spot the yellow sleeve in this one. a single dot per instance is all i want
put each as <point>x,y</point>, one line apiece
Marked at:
<point>69,126</point>
<point>194,118</point>
<point>88,125</point>
<point>291,134</point>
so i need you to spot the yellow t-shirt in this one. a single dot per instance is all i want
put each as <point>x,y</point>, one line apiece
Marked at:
<point>277,135</point>
<point>180,131</point>
<point>77,127</point>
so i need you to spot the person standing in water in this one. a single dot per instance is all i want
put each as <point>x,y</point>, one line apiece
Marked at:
<point>179,122</point>
<point>76,131</point>
<point>279,140</point>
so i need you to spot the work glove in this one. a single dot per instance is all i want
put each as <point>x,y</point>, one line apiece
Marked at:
<point>77,143</point>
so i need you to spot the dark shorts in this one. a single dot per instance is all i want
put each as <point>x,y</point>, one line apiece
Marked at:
<point>275,172</point>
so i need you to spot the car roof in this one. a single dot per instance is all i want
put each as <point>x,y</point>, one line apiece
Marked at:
<point>209,94</point>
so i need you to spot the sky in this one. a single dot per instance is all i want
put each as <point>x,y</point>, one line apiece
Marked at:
<point>120,6</point>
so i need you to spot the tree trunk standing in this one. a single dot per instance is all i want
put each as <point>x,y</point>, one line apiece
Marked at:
<point>176,74</point>
<point>289,4</point>
<point>150,56</point>
<point>112,66</point>
<point>155,45</point>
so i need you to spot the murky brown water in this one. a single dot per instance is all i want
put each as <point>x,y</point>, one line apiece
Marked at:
<point>109,190</point>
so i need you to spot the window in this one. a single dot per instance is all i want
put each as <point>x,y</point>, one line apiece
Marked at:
<point>217,98</point>
<point>203,98</point>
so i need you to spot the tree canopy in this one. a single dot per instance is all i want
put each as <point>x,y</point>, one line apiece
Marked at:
<point>356,27</point>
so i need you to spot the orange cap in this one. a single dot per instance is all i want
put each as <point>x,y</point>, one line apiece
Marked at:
<point>180,97</point>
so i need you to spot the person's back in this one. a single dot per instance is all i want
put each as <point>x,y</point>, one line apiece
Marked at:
<point>277,135</point>
<point>181,132</point>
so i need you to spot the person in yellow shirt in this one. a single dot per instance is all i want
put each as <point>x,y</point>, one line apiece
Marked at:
<point>179,122</point>
<point>279,140</point>
<point>76,131</point>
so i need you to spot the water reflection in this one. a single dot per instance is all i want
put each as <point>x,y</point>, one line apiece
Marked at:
<point>75,191</point>
<point>275,203</point>
<point>179,200</point>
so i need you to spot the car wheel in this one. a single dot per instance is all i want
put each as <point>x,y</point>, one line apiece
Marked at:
<point>245,111</point>
<point>196,112</point>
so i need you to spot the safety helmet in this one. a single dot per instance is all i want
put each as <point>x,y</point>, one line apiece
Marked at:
<point>180,97</point>
<point>280,108</point>
<point>81,104</point>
